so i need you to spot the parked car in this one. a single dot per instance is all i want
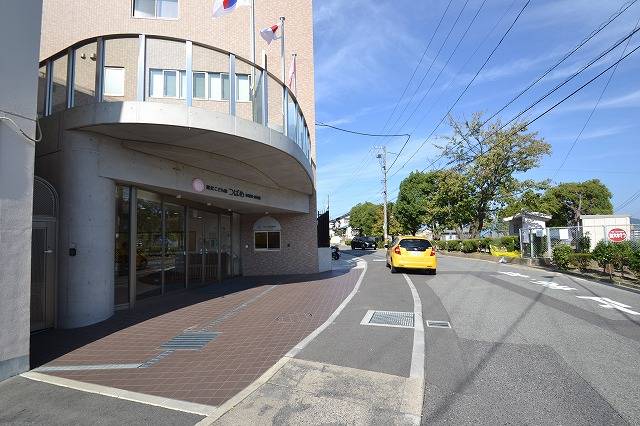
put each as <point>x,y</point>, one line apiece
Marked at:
<point>411,253</point>
<point>363,243</point>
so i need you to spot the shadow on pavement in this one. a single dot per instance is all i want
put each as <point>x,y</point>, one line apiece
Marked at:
<point>48,345</point>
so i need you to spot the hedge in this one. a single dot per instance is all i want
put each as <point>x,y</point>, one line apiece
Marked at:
<point>580,260</point>
<point>562,255</point>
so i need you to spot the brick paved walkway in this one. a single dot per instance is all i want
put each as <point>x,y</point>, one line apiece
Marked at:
<point>259,320</point>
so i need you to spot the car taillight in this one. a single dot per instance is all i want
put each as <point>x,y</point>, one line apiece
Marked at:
<point>396,250</point>
<point>433,251</point>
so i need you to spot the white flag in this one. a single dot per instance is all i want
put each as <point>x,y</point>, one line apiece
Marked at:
<point>269,33</point>
<point>292,75</point>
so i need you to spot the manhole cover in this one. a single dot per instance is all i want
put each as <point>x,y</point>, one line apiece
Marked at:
<point>438,324</point>
<point>389,319</point>
<point>190,340</point>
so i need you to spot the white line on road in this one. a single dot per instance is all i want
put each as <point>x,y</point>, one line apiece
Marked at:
<point>417,354</point>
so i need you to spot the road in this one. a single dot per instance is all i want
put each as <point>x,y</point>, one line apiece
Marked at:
<point>525,346</point>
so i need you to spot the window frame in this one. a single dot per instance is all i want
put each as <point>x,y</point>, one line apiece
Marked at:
<point>155,12</point>
<point>268,248</point>
<point>124,79</point>
<point>164,86</point>
<point>206,86</point>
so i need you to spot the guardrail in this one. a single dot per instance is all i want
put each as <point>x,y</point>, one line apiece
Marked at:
<point>138,67</point>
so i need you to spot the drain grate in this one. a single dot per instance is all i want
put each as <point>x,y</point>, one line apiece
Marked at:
<point>389,319</point>
<point>438,324</point>
<point>190,340</point>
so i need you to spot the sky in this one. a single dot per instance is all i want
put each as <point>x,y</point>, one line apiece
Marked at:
<point>366,52</point>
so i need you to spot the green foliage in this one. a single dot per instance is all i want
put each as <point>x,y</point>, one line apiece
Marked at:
<point>580,260</point>
<point>469,246</point>
<point>363,216</point>
<point>562,256</point>
<point>441,244</point>
<point>583,244</point>
<point>484,243</point>
<point>490,158</point>
<point>347,242</point>
<point>634,262</point>
<point>453,245</point>
<point>411,206</point>
<point>510,243</point>
<point>622,253</point>
<point>568,201</point>
<point>603,253</point>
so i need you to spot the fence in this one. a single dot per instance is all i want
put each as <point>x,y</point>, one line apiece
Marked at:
<point>539,243</point>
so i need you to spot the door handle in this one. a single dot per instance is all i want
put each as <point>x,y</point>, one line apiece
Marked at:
<point>48,251</point>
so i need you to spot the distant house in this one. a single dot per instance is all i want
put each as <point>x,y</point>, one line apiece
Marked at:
<point>609,227</point>
<point>526,222</point>
<point>341,223</point>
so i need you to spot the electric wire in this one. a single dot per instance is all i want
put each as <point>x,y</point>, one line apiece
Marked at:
<point>417,65</point>
<point>593,110</point>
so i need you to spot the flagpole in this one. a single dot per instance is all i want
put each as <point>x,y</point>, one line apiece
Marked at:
<point>253,31</point>
<point>285,120</point>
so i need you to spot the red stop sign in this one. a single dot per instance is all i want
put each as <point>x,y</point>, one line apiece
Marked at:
<point>617,235</point>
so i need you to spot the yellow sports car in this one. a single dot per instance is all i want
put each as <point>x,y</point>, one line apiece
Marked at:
<point>411,253</point>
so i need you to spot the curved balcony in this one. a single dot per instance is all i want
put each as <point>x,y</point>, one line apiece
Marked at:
<point>156,92</point>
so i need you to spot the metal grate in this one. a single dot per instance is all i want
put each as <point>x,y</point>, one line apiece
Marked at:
<point>190,340</point>
<point>389,319</point>
<point>44,198</point>
<point>438,324</point>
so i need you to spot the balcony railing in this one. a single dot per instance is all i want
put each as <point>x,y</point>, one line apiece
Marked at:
<point>145,68</point>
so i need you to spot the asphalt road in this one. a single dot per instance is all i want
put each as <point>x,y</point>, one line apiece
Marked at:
<point>525,345</point>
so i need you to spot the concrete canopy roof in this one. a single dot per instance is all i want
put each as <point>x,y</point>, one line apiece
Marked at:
<point>200,138</point>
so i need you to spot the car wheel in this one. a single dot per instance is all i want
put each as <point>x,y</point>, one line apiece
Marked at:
<point>353,247</point>
<point>394,270</point>
<point>432,271</point>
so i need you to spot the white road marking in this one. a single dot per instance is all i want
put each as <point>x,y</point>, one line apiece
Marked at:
<point>610,304</point>
<point>513,274</point>
<point>417,354</point>
<point>86,367</point>
<point>553,286</point>
<point>171,404</point>
<point>379,260</point>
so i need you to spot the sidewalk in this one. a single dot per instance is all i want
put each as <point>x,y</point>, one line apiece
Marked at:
<point>244,326</point>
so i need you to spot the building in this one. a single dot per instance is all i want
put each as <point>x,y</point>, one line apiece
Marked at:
<point>608,227</point>
<point>526,223</point>
<point>173,154</point>
<point>19,38</point>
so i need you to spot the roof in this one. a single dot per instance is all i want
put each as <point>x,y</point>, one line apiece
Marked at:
<point>543,216</point>
<point>604,216</point>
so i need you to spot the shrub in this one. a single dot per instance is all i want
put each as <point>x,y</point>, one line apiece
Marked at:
<point>622,253</point>
<point>580,260</point>
<point>470,246</point>
<point>510,243</point>
<point>441,245</point>
<point>453,245</point>
<point>347,242</point>
<point>583,245</point>
<point>603,254</point>
<point>484,243</point>
<point>561,255</point>
<point>634,262</point>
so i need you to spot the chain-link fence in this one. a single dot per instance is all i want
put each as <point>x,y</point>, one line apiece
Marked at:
<point>539,243</point>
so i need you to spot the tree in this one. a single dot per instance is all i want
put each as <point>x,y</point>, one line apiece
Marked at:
<point>568,201</point>
<point>411,206</point>
<point>489,158</point>
<point>363,217</point>
<point>393,226</point>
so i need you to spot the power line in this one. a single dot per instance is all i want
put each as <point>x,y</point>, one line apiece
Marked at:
<point>417,65</point>
<point>430,65</point>
<point>467,86</point>
<point>627,202</point>
<point>320,124</point>
<point>586,123</point>
<point>455,49</point>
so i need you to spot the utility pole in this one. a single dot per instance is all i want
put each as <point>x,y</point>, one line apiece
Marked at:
<point>383,160</point>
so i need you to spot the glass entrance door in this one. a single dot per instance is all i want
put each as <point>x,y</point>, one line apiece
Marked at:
<point>211,247</point>
<point>149,245</point>
<point>225,246</point>
<point>196,247</point>
<point>174,248</point>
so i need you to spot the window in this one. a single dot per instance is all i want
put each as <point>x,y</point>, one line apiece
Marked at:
<point>243,87</point>
<point>113,81</point>
<point>219,86</point>
<point>411,244</point>
<point>267,240</point>
<point>200,85</point>
<point>155,9</point>
<point>170,81</point>
<point>167,83</point>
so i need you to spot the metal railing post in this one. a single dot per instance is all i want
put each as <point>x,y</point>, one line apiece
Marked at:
<point>99,95</point>
<point>189,72</point>
<point>48,88</point>
<point>71,60</point>
<point>142,50</point>
<point>232,84</point>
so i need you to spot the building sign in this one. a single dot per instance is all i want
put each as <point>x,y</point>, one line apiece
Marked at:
<point>197,184</point>
<point>617,235</point>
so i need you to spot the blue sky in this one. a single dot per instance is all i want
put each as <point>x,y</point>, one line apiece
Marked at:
<point>365,52</point>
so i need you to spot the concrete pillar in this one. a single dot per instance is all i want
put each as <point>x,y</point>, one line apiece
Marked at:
<point>86,224</point>
<point>20,43</point>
